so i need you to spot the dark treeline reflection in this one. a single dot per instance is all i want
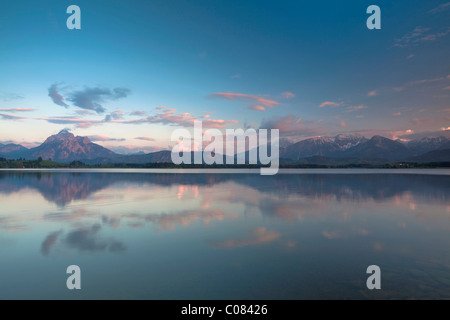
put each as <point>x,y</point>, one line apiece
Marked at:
<point>63,187</point>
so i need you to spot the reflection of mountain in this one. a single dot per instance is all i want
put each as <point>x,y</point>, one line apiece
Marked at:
<point>63,187</point>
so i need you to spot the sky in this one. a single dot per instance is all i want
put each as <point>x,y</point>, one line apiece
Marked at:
<point>136,71</point>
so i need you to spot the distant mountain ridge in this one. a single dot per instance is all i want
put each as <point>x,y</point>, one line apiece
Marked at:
<point>65,147</point>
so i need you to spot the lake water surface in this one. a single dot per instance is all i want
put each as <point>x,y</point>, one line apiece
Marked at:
<point>155,234</point>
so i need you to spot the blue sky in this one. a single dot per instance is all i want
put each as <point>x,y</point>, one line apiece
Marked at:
<point>135,72</point>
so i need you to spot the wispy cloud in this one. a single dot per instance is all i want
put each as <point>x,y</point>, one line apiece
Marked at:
<point>257,108</point>
<point>287,95</point>
<point>104,138</point>
<point>169,116</point>
<point>372,93</point>
<point>247,97</point>
<point>9,96</point>
<point>17,109</point>
<point>440,8</point>
<point>292,126</point>
<point>355,108</point>
<point>145,138</point>
<point>80,123</point>
<point>441,79</point>
<point>418,35</point>
<point>11,117</point>
<point>330,104</point>
<point>138,113</point>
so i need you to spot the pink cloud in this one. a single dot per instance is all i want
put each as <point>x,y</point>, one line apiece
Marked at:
<point>330,103</point>
<point>11,117</point>
<point>372,93</point>
<point>397,114</point>
<point>247,97</point>
<point>171,117</point>
<point>287,95</point>
<point>211,123</point>
<point>257,108</point>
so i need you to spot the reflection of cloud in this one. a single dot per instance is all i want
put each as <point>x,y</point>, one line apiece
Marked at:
<point>77,214</point>
<point>377,246</point>
<point>331,234</point>
<point>168,221</point>
<point>49,242</point>
<point>259,236</point>
<point>86,239</point>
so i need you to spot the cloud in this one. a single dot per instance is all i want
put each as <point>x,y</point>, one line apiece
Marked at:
<point>440,8</point>
<point>7,96</point>
<point>330,104</point>
<point>18,109</point>
<point>287,95</point>
<point>104,138</point>
<point>11,117</point>
<point>91,98</point>
<point>397,114</point>
<point>138,113</point>
<point>410,56</point>
<point>422,121</point>
<point>372,93</point>
<point>145,138</point>
<point>80,123</point>
<point>257,108</point>
<point>116,115</point>
<point>56,97</point>
<point>246,97</point>
<point>418,35</point>
<point>258,236</point>
<point>423,82</point>
<point>445,132</point>
<point>355,108</point>
<point>236,76</point>
<point>292,126</point>
<point>343,124</point>
<point>169,116</point>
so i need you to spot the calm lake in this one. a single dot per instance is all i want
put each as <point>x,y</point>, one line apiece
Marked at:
<point>155,234</point>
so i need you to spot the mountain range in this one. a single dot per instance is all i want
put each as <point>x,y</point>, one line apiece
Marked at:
<point>65,147</point>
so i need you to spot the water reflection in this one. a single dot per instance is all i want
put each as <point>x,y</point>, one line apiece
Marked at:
<point>313,223</point>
